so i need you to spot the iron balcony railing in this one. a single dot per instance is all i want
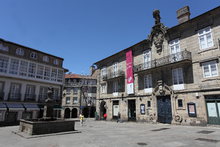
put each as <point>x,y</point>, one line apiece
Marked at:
<point>112,75</point>
<point>173,58</point>
<point>30,97</point>
<point>14,96</point>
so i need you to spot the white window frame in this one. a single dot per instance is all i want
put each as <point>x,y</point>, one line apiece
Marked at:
<point>204,33</point>
<point>33,55</point>
<point>147,59</point>
<point>45,58</point>
<point>32,69</point>
<point>103,72</point>
<point>55,61</point>
<point>20,51</point>
<point>103,88</point>
<point>14,66</point>
<point>209,66</point>
<point>178,83</point>
<point>68,100</point>
<point>3,48</point>
<point>23,68</point>
<point>115,88</point>
<point>53,74</point>
<point>4,64</point>
<point>148,83</point>
<point>175,50</point>
<point>75,100</point>
<point>115,69</point>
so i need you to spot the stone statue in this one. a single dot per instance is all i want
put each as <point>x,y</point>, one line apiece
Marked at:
<point>48,107</point>
<point>156,15</point>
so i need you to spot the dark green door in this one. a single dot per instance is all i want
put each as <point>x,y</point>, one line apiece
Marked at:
<point>131,110</point>
<point>213,108</point>
<point>164,111</point>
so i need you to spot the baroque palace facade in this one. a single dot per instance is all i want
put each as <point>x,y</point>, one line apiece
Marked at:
<point>172,76</point>
<point>25,75</point>
<point>79,95</point>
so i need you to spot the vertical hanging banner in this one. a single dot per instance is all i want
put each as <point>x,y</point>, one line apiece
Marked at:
<point>129,72</point>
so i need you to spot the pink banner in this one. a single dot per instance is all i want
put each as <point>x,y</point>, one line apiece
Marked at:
<point>129,71</point>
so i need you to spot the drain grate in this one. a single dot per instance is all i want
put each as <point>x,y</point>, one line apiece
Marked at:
<point>161,129</point>
<point>141,143</point>
<point>205,132</point>
<point>207,140</point>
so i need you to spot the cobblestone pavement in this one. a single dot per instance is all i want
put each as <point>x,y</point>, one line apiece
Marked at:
<point>112,134</point>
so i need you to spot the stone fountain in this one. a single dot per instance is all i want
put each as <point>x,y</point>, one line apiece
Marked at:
<point>48,124</point>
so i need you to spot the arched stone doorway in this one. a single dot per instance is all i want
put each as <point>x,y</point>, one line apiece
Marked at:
<point>74,113</point>
<point>102,109</point>
<point>67,113</point>
<point>86,112</point>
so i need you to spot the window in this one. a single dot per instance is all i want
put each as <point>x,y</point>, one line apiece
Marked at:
<point>103,72</point>
<point>103,88</point>
<point>3,64</point>
<point>15,91</point>
<point>31,70</point>
<point>20,51</point>
<point>60,76</point>
<point>55,61</point>
<point>14,66</point>
<point>147,59</point>
<point>177,75</point>
<point>23,68</point>
<point>30,92</point>
<point>75,100</point>
<point>56,94</point>
<point>210,69</point>
<point>180,103</point>
<point>3,48</point>
<point>115,86</point>
<point>47,73</point>
<point>148,83</point>
<point>148,103</point>
<point>54,74</point>
<point>174,50</point>
<point>45,58</point>
<point>68,90</point>
<point>40,72</point>
<point>75,90</point>
<point>67,100</point>
<point>43,93</point>
<point>33,55</point>
<point>115,69</point>
<point>205,38</point>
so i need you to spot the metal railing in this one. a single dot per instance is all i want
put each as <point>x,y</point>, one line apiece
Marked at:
<point>173,58</point>
<point>112,75</point>
<point>30,97</point>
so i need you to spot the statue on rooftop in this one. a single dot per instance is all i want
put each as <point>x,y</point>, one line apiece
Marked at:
<point>156,15</point>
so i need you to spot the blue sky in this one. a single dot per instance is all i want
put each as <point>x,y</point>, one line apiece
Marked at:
<point>86,31</point>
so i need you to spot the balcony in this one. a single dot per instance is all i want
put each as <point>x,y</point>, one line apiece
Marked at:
<point>1,96</point>
<point>113,75</point>
<point>170,59</point>
<point>14,96</point>
<point>30,97</point>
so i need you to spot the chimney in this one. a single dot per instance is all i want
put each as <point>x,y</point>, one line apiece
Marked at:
<point>183,14</point>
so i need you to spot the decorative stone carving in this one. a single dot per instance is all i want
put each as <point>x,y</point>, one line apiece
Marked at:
<point>158,32</point>
<point>162,89</point>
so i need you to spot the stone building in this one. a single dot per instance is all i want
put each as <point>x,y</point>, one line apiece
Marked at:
<point>25,75</point>
<point>172,76</point>
<point>79,96</point>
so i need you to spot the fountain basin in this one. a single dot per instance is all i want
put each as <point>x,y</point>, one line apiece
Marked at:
<point>37,127</point>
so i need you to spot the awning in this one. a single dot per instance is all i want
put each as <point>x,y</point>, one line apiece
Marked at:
<point>31,107</point>
<point>15,107</point>
<point>57,107</point>
<point>3,106</point>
